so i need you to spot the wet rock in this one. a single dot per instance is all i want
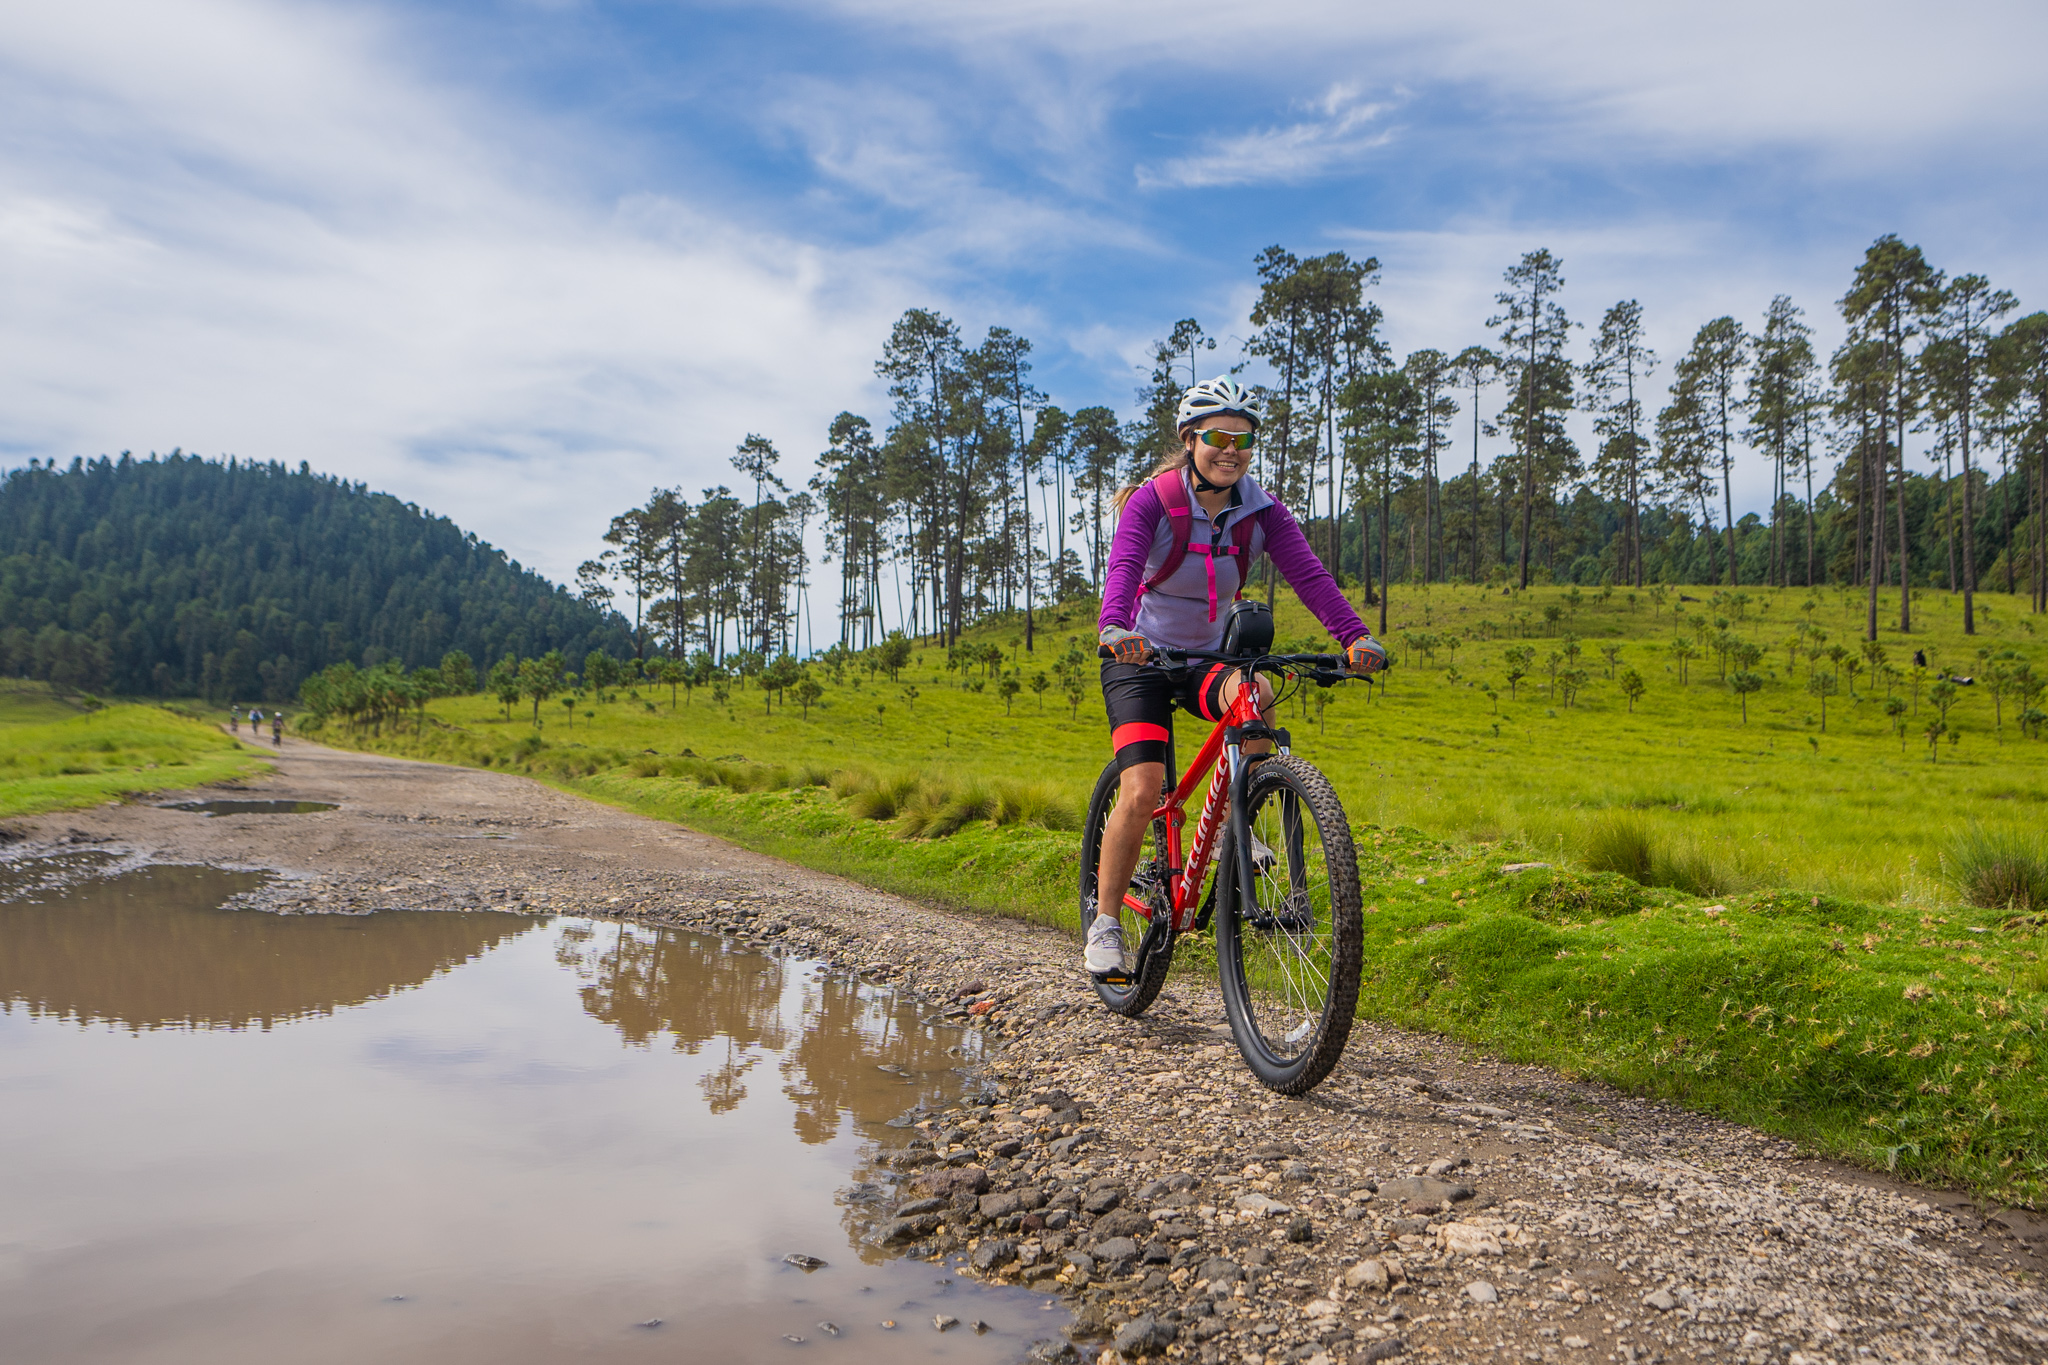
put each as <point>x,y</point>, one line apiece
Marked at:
<point>918,1206</point>
<point>803,1262</point>
<point>1479,1291</point>
<point>992,1253</point>
<point>1422,1189</point>
<point>902,1230</point>
<point>951,1181</point>
<point>830,1329</point>
<point>1144,1335</point>
<point>1051,1353</point>
<point>1088,1325</point>
<point>942,1321</point>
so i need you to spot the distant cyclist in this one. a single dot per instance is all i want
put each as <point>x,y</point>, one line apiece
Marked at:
<point>1185,542</point>
<point>277,728</point>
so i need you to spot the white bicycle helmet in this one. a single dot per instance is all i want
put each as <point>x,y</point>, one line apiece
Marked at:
<point>1214,397</point>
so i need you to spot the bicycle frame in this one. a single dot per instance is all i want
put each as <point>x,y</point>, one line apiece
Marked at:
<point>1222,759</point>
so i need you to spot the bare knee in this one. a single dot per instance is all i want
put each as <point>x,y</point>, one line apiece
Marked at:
<point>1140,783</point>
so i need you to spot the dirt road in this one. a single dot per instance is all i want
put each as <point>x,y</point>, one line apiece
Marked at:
<point>1424,1201</point>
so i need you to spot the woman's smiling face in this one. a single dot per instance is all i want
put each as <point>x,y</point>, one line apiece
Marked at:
<point>1220,465</point>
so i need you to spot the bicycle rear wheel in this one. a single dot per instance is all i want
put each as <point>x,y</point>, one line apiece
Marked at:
<point>1290,960</point>
<point>1148,938</point>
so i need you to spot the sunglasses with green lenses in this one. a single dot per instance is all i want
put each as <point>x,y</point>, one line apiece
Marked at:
<point>1226,440</point>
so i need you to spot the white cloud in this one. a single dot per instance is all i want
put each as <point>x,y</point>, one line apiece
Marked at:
<point>1341,129</point>
<point>243,228</point>
<point>1874,77</point>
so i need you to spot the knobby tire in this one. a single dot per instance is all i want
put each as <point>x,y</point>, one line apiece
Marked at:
<point>1290,963</point>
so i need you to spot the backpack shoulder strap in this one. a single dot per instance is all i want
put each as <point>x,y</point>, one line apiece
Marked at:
<point>1241,534</point>
<point>1173,496</point>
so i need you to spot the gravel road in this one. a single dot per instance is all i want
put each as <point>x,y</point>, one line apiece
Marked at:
<point>1425,1201</point>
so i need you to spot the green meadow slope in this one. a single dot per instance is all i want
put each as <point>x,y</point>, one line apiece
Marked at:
<point>57,754</point>
<point>1757,916</point>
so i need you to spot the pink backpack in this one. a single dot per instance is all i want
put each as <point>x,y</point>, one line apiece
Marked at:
<point>1173,495</point>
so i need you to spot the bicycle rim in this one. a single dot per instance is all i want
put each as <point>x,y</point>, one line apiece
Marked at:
<point>1290,959</point>
<point>1148,941</point>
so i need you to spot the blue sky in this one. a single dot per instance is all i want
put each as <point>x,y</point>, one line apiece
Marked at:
<point>523,261</point>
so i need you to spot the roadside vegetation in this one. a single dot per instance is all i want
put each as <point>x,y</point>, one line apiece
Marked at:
<point>1832,934</point>
<point>63,752</point>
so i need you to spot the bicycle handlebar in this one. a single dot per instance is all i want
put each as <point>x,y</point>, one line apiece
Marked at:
<point>1318,664</point>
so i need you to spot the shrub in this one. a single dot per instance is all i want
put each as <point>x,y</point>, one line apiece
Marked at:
<point>1998,869</point>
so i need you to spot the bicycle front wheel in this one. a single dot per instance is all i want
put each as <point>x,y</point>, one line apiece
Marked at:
<point>1290,959</point>
<point>1148,938</point>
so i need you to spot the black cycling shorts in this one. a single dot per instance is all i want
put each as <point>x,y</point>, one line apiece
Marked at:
<point>1140,699</point>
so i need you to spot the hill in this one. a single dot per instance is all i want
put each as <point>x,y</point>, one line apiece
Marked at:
<point>233,579</point>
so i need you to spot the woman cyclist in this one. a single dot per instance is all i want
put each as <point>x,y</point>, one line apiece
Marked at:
<point>1144,608</point>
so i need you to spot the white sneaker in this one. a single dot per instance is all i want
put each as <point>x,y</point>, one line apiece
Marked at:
<point>1105,946</point>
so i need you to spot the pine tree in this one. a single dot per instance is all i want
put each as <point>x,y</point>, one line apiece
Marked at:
<point>1533,333</point>
<point>1892,290</point>
<point>1620,359</point>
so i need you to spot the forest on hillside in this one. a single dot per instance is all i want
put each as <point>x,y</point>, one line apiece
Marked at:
<point>1915,452</point>
<point>235,579</point>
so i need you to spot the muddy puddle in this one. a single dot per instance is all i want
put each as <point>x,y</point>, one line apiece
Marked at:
<point>236,1137</point>
<point>213,808</point>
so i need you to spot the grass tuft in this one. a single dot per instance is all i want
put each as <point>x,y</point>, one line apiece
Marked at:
<point>1998,869</point>
<point>1623,844</point>
<point>1627,844</point>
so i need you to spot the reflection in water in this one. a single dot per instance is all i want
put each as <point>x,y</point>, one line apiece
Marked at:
<point>844,1045</point>
<point>470,1139</point>
<point>213,808</point>
<point>152,949</point>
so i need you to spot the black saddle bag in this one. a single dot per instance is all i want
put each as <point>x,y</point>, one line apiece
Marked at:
<point>1248,628</point>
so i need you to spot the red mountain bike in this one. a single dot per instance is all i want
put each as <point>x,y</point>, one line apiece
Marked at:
<point>1285,897</point>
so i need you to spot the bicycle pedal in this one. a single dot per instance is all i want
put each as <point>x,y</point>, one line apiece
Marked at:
<point>1119,979</point>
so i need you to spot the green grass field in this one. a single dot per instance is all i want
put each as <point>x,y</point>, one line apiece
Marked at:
<point>1756,917</point>
<point>58,754</point>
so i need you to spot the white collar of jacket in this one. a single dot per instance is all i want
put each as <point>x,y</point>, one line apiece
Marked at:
<point>1250,499</point>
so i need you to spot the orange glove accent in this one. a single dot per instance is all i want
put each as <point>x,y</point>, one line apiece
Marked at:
<point>1127,646</point>
<point>1365,655</point>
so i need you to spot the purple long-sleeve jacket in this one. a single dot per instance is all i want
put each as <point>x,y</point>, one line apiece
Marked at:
<point>1178,613</point>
